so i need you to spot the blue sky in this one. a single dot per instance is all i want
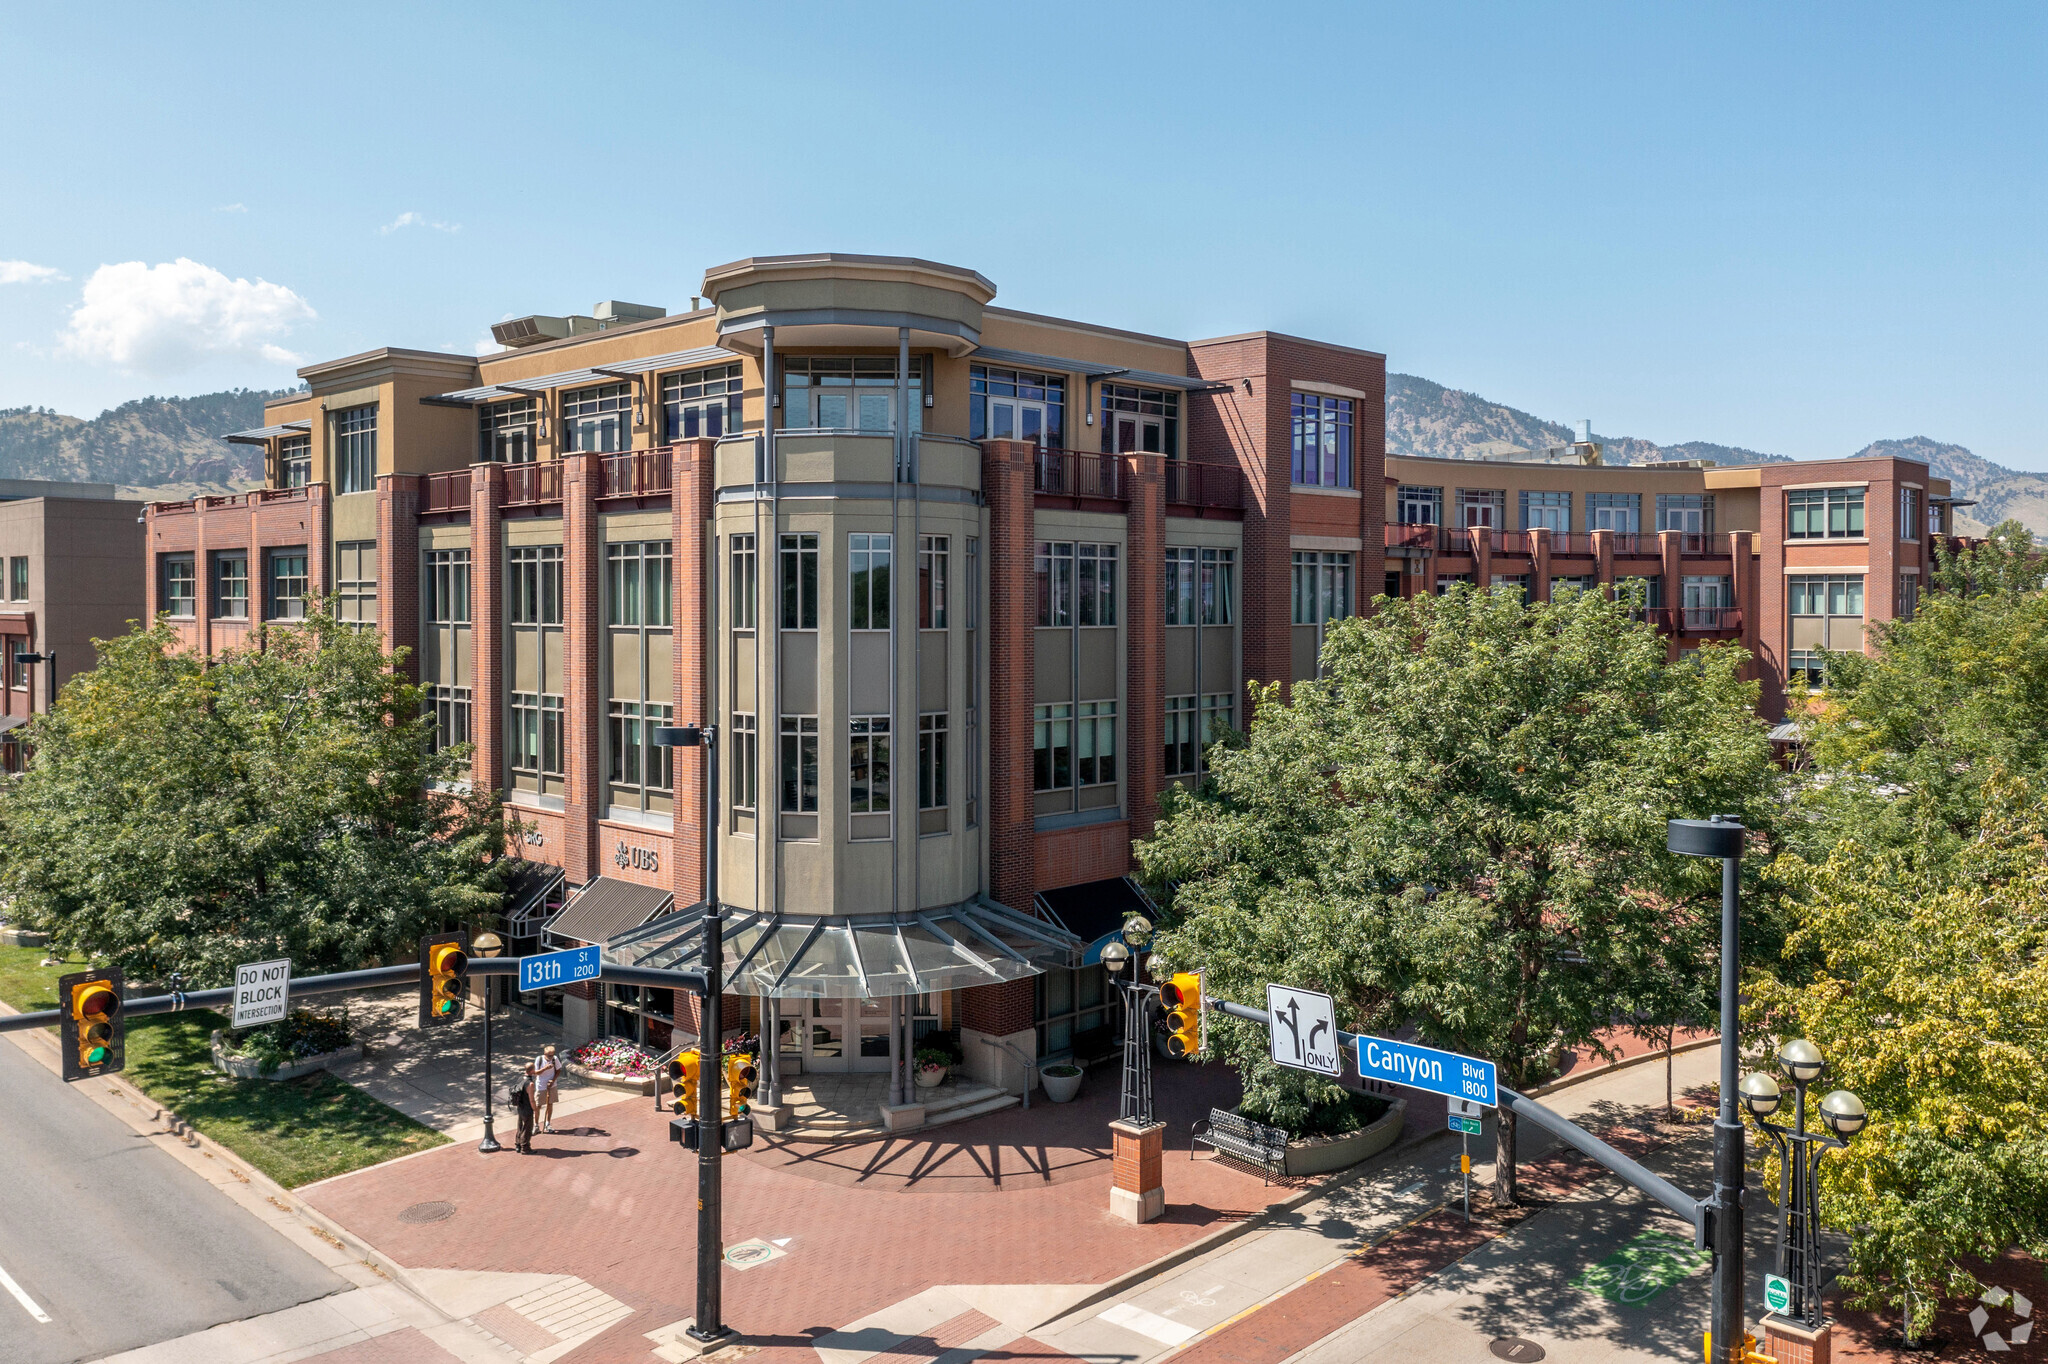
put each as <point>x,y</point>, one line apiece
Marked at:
<point>1791,228</point>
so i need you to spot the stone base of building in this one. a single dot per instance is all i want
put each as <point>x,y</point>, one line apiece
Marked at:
<point>1137,1188</point>
<point>581,1020</point>
<point>1005,1068</point>
<point>1794,1342</point>
<point>902,1117</point>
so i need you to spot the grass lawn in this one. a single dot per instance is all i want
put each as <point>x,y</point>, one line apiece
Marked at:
<point>295,1131</point>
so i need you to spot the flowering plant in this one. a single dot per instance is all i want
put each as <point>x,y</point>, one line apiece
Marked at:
<point>614,1056</point>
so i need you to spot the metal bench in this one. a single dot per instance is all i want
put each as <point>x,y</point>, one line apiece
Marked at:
<point>1236,1137</point>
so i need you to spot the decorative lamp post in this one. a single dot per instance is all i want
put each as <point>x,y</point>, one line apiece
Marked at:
<point>1137,1186</point>
<point>488,945</point>
<point>1799,1153</point>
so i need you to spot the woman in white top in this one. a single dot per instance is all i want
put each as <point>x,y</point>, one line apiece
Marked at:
<point>543,1068</point>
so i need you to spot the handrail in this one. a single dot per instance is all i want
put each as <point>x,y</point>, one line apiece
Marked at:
<point>1078,473</point>
<point>637,473</point>
<point>445,492</point>
<point>526,484</point>
<point>1028,1064</point>
<point>1204,485</point>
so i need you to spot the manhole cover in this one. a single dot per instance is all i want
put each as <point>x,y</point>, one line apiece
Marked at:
<point>441,1212</point>
<point>1517,1349</point>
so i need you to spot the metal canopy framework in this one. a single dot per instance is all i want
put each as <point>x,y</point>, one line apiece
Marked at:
<point>261,434</point>
<point>856,956</point>
<point>1093,370</point>
<point>575,378</point>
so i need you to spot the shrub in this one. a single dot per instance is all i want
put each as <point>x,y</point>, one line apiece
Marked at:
<point>1330,1118</point>
<point>296,1036</point>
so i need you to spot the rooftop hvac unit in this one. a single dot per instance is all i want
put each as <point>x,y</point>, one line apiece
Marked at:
<point>531,331</point>
<point>612,313</point>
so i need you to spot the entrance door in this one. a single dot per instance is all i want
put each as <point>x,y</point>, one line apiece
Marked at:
<point>1011,419</point>
<point>842,1035</point>
<point>1136,433</point>
<point>824,1035</point>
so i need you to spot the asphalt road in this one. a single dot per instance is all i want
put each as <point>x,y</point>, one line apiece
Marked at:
<point>113,1240</point>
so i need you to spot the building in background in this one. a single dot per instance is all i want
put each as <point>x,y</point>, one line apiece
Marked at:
<point>73,564</point>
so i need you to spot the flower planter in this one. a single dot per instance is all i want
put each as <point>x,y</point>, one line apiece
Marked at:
<point>630,1084</point>
<point>23,937</point>
<point>1320,1155</point>
<point>930,1077</point>
<point>1060,1088</point>
<point>245,1067</point>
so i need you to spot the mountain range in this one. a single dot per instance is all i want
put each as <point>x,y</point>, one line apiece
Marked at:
<point>171,447</point>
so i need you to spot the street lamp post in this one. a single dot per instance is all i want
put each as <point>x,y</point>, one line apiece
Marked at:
<point>48,656</point>
<point>1722,837</point>
<point>488,945</point>
<point>1799,1153</point>
<point>1136,1104</point>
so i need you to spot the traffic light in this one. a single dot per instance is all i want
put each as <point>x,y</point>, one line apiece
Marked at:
<point>1181,997</point>
<point>444,977</point>
<point>739,1083</point>
<point>92,1026</point>
<point>683,1073</point>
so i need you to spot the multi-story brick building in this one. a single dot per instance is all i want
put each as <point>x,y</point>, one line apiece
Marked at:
<point>962,589</point>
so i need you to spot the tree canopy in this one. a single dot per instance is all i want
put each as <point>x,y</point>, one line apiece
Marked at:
<point>1460,828</point>
<point>184,813</point>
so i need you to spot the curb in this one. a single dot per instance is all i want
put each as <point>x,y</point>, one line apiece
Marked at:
<point>1202,1245</point>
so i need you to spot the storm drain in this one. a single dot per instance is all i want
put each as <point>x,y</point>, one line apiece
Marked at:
<point>427,1212</point>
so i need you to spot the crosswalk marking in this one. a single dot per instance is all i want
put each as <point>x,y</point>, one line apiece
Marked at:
<point>28,1303</point>
<point>1149,1324</point>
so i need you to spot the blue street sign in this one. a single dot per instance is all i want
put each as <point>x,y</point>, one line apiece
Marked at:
<point>1439,1072</point>
<point>552,969</point>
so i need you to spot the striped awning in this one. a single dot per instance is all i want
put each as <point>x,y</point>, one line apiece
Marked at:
<point>578,378</point>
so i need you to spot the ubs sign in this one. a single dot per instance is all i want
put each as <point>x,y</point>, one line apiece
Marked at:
<point>639,859</point>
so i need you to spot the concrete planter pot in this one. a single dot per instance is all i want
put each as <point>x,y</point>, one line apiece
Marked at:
<point>23,937</point>
<point>930,1077</point>
<point>245,1067</point>
<point>1060,1088</point>
<point>1320,1155</point>
<point>626,1084</point>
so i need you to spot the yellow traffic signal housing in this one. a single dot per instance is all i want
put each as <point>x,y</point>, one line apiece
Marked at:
<point>1181,997</point>
<point>444,977</point>
<point>683,1074</point>
<point>92,1029</point>
<point>739,1084</point>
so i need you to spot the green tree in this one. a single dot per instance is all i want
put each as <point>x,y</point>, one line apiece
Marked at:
<point>1926,987</point>
<point>1460,827</point>
<point>184,813</point>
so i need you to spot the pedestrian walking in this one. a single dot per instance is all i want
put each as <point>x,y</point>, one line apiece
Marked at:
<point>522,1101</point>
<point>545,1070</point>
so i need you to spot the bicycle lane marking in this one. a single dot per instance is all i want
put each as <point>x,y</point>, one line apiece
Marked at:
<point>21,1296</point>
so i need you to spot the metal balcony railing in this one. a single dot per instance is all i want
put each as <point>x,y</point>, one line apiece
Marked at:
<point>1412,537</point>
<point>532,484</point>
<point>1076,473</point>
<point>639,473</point>
<point>1696,543</point>
<point>1204,485</point>
<point>447,492</point>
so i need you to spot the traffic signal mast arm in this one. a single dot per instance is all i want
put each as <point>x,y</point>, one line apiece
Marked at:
<point>1559,1126</point>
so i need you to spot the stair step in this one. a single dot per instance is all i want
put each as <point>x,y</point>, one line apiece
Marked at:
<point>993,1105</point>
<point>963,1098</point>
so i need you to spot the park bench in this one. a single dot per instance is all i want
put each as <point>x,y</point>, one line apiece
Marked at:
<point>1236,1137</point>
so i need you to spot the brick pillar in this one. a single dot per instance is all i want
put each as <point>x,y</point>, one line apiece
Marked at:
<point>1137,1191</point>
<point>1792,1342</point>
<point>1670,548</point>
<point>1012,612</point>
<point>1539,564</point>
<point>1144,640</point>
<point>202,581</point>
<point>319,540</point>
<point>1482,557</point>
<point>398,567</point>
<point>690,532</point>
<point>583,674</point>
<point>1603,557</point>
<point>1745,591</point>
<point>151,588</point>
<point>487,622</point>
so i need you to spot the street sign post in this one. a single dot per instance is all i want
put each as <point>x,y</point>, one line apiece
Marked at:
<point>552,969</point>
<point>262,993</point>
<point>1426,1068</point>
<point>1302,1029</point>
<point>1469,1126</point>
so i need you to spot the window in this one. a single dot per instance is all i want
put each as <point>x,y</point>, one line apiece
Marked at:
<point>1809,664</point>
<point>867,560</point>
<point>1183,750</point>
<point>1219,710</point>
<point>848,393</point>
<point>1546,511</point>
<point>1482,507</point>
<point>1909,513</point>
<point>639,608</point>
<point>1820,513</point>
<point>1076,583</point>
<point>1704,599</point>
<point>1095,743</point>
<point>931,761</point>
<point>1909,595</point>
<point>534,593</point>
<point>868,765</point>
<point>1052,748</point>
<point>597,419</point>
<point>536,738</point>
<point>289,585</point>
<point>1694,512</point>
<point>800,581</point>
<point>1097,573</point>
<point>1140,419</point>
<point>294,461</point>
<point>505,432</point>
<point>1419,506</point>
<point>746,761</point>
<point>1054,565</point>
<point>1201,586</point>
<point>931,582</point>
<point>17,671</point>
<point>1322,441</point>
<point>1219,586</point>
<point>1069,1003</point>
<point>1618,512</point>
<point>800,764</point>
<point>638,764</point>
<point>450,707</point>
<point>447,582</point>
<point>231,585</point>
<point>1651,588</point>
<point>355,581</point>
<point>180,597</point>
<point>702,404</point>
<point>1322,586</point>
<point>1016,404</point>
<point>355,449</point>
<point>745,587</point>
<point>1181,573</point>
<point>637,584</point>
<point>1837,594</point>
<point>17,578</point>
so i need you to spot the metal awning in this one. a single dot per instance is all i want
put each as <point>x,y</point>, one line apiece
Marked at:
<point>856,956</point>
<point>1790,732</point>
<point>575,378</point>
<point>8,722</point>
<point>1092,369</point>
<point>1096,911</point>
<point>263,433</point>
<point>606,908</point>
<point>526,900</point>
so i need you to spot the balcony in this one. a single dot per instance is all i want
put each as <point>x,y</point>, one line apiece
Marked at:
<point>530,485</point>
<point>1697,545</point>
<point>445,492</point>
<point>1204,485</point>
<point>1077,474</point>
<point>1697,620</point>
<point>639,473</point>
<point>1571,544</point>
<point>1421,539</point>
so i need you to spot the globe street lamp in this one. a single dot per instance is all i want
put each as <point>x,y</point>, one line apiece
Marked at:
<point>488,945</point>
<point>1136,1104</point>
<point>1799,1153</point>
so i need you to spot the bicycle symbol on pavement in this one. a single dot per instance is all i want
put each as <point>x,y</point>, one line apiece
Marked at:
<point>1643,1268</point>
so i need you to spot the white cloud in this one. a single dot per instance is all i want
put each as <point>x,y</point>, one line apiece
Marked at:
<point>411,219</point>
<point>162,319</point>
<point>232,208</point>
<point>21,272</point>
